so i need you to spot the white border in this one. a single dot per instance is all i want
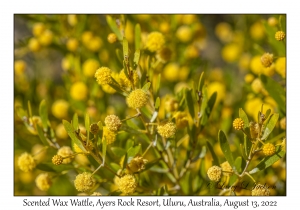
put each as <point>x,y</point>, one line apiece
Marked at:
<point>8,8</point>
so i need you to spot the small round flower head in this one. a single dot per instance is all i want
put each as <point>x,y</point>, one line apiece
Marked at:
<point>266,59</point>
<point>137,99</point>
<point>214,173</point>
<point>34,45</point>
<point>96,194</point>
<point>103,76</point>
<point>125,82</point>
<point>84,182</point>
<point>26,162</point>
<point>268,149</point>
<point>46,38</point>
<point>94,128</point>
<point>184,33</point>
<point>127,184</point>
<point>155,41</point>
<point>238,124</point>
<point>20,67</point>
<point>136,164</point>
<point>43,181</point>
<point>61,132</point>
<point>89,67</point>
<point>181,120</point>
<point>60,109</point>
<point>113,122</point>
<point>79,91</point>
<point>226,168</point>
<point>109,135</point>
<point>38,29</point>
<point>167,130</point>
<point>72,44</point>
<point>112,38</point>
<point>279,35</point>
<point>65,151</point>
<point>57,159</point>
<point>260,190</point>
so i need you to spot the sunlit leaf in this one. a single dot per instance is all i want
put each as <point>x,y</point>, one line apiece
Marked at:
<point>270,125</point>
<point>189,101</point>
<point>43,114</point>
<point>244,117</point>
<point>75,121</point>
<point>42,136</point>
<point>71,132</point>
<point>137,37</point>
<point>213,154</point>
<point>118,151</point>
<point>226,148</point>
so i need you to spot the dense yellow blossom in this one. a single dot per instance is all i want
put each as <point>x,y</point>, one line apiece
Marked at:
<point>280,66</point>
<point>108,135</point>
<point>103,76</point>
<point>60,108</point>
<point>184,33</point>
<point>43,181</point>
<point>79,91</point>
<point>65,151</point>
<point>268,149</point>
<point>214,173</point>
<point>72,44</point>
<point>127,184</point>
<point>257,31</point>
<point>231,52</point>
<point>155,41</point>
<point>113,122</point>
<point>166,130</point>
<point>260,190</point>
<point>26,162</point>
<point>20,67</point>
<point>84,182</point>
<point>137,99</point>
<point>89,67</point>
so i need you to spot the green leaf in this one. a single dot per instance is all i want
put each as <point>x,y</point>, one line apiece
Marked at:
<point>201,82</point>
<point>87,126</point>
<point>137,36</point>
<point>146,86</point>
<point>157,103</point>
<point>104,145</point>
<point>21,112</point>
<point>119,55</point>
<point>268,161</point>
<point>157,84</point>
<point>238,164</point>
<point>118,151</point>
<point>270,125</point>
<point>125,49</point>
<point>226,148</point>
<point>190,102</point>
<point>276,92</point>
<point>29,109</point>
<point>75,121</point>
<point>132,152</point>
<point>213,154</point>
<point>244,117</point>
<point>50,167</point>
<point>71,132</point>
<point>152,163</point>
<point>42,136</point>
<point>206,108</point>
<point>43,114</point>
<point>100,125</point>
<point>136,58</point>
<point>247,144</point>
<point>113,26</point>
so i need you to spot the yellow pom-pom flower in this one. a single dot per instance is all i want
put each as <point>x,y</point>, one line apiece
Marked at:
<point>112,38</point>
<point>166,130</point>
<point>84,182</point>
<point>231,52</point>
<point>257,31</point>
<point>184,33</point>
<point>46,38</point>
<point>94,44</point>
<point>26,162</point>
<point>60,109</point>
<point>226,168</point>
<point>279,35</point>
<point>113,122</point>
<point>72,44</point>
<point>268,149</point>
<point>137,99</point>
<point>79,91</point>
<point>89,67</point>
<point>260,190</point>
<point>224,32</point>
<point>108,135</point>
<point>103,76</point>
<point>38,29</point>
<point>280,66</point>
<point>61,132</point>
<point>214,173</point>
<point>136,164</point>
<point>72,19</point>
<point>171,72</point>
<point>34,45</point>
<point>155,41</point>
<point>266,59</point>
<point>65,151</point>
<point>249,78</point>
<point>57,160</point>
<point>20,67</point>
<point>127,184</point>
<point>43,181</point>
<point>238,124</point>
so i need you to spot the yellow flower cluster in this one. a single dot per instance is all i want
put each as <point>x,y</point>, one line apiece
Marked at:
<point>84,182</point>
<point>109,135</point>
<point>214,173</point>
<point>89,67</point>
<point>136,164</point>
<point>65,151</point>
<point>112,38</point>
<point>79,91</point>
<point>238,124</point>
<point>267,59</point>
<point>226,168</point>
<point>113,122</point>
<point>103,76</point>
<point>125,82</point>
<point>268,149</point>
<point>60,109</point>
<point>260,190</point>
<point>43,181</point>
<point>127,184</point>
<point>279,35</point>
<point>26,162</point>
<point>20,67</point>
<point>166,130</point>
<point>137,99</point>
<point>155,41</point>
<point>57,159</point>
